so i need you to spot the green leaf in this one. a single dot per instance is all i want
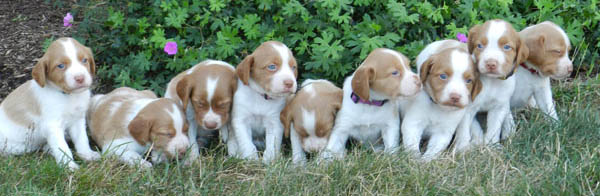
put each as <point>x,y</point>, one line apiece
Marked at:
<point>177,17</point>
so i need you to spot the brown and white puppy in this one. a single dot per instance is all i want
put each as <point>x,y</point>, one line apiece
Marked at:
<point>266,78</point>
<point>451,83</point>
<point>309,117</point>
<point>39,112</point>
<point>127,123</point>
<point>206,93</point>
<point>548,58</point>
<point>369,110</point>
<point>498,50</point>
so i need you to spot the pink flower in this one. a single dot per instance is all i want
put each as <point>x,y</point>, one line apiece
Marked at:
<point>462,37</point>
<point>67,20</point>
<point>171,48</point>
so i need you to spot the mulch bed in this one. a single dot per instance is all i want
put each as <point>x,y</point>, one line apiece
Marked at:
<point>25,24</point>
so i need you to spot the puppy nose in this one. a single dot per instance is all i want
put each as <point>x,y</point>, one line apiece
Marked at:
<point>181,152</point>
<point>455,97</point>
<point>288,83</point>
<point>79,79</point>
<point>491,64</point>
<point>210,124</point>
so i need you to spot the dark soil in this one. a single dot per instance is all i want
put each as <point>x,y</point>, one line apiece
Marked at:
<point>24,25</point>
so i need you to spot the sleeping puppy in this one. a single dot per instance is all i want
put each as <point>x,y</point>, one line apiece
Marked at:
<point>309,117</point>
<point>266,78</point>
<point>548,58</point>
<point>369,110</point>
<point>206,93</point>
<point>450,82</point>
<point>43,111</point>
<point>127,123</point>
<point>497,50</point>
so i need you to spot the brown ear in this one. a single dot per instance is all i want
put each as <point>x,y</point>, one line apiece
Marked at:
<point>139,128</point>
<point>184,89</point>
<point>473,33</point>
<point>92,62</point>
<point>243,69</point>
<point>425,69</point>
<point>234,84</point>
<point>523,52</point>
<point>477,86</point>
<point>286,118</point>
<point>39,72</point>
<point>361,81</point>
<point>339,96</point>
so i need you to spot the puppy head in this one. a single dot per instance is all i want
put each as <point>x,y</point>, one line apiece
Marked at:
<point>162,123</point>
<point>549,48</point>
<point>385,74</point>
<point>66,65</point>
<point>497,48</point>
<point>209,91</point>
<point>451,78</point>
<point>271,69</point>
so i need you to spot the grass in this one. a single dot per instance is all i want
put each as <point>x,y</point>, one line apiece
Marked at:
<point>542,158</point>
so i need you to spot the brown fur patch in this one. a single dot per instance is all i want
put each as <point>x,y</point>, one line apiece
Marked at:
<point>20,105</point>
<point>546,47</point>
<point>375,73</point>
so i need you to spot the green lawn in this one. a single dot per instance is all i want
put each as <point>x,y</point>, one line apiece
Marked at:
<point>542,158</point>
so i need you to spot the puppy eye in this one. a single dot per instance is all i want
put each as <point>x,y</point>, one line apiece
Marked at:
<point>395,73</point>
<point>271,67</point>
<point>84,60</point>
<point>479,46</point>
<point>223,105</point>
<point>294,67</point>
<point>507,47</point>
<point>556,51</point>
<point>469,81</point>
<point>61,66</point>
<point>443,76</point>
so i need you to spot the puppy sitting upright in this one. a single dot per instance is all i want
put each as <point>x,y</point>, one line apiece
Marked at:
<point>498,51</point>
<point>310,115</point>
<point>206,93</point>
<point>451,82</point>
<point>548,58</point>
<point>369,110</point>
<point>127,123</point>
<point>38,113</point>
<point>266,78</point>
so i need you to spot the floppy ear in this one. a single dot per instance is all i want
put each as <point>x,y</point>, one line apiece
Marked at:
<point>361,81</point>
<point>243,69</point>
<point>91,60</point>
<point>523,52</point>
<point>339,96</point>
<point>139,128</point>
<point>39,71</point>
<point>473,33</point>
<point>425,69</point>
<point>286,118</point>
<point>233,84</point>
<point>477,86</point>
<point>184,89</point>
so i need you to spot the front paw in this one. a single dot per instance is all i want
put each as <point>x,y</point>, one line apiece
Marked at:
<point>145,164</point>
<point>89,156</point>
<point>72,166</point>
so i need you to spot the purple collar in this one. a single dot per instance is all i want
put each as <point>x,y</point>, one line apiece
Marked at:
<point>357,99</point>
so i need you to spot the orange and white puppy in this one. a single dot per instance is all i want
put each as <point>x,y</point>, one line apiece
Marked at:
<point>497,50</point>
<point>127,122</point>
<point>548,58</point>
<point>451,82</point>
<point>369,108</point>
<point>266,78</point>
<point>309,117</point>
<point>42,111</point>
<point>206,93</point>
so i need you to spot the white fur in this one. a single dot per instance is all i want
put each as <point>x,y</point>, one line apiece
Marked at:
<point>493,51</point>
<point>210,62</point>
<point>61,114</point>
<point>366,123</point>
<point>284,73</point>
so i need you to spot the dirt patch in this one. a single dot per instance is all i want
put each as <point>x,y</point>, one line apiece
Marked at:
<point>25,24</point>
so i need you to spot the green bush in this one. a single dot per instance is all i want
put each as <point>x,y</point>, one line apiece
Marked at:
<point>329,38</point>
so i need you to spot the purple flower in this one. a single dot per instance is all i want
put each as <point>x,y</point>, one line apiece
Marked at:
<point>462,37</point>
<point>171,48</point>
<point>67,20</point>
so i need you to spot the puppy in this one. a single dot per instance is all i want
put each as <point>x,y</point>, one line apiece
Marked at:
<point>369,110</point>
<point>206,93</point>
<point>309,116</point>
<point>38,112</point>
<point>127,123</point>
<point>265,78</point>
<point>548,58</point>
<point>497,50</point>
<point>451,82</point>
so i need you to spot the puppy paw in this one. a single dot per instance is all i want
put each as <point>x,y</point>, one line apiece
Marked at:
<point>89,156</point>
<point>145,164</point>
<point>72,166</point>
